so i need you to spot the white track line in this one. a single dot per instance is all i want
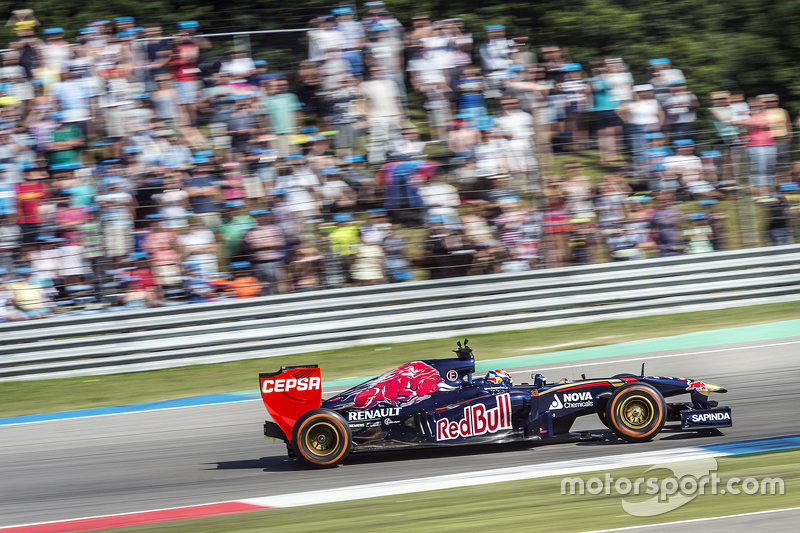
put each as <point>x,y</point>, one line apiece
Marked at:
<point>484,477</point>
<point>634,359</point>
<point>648,526</point>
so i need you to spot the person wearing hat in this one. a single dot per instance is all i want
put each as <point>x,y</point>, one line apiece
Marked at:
<point>54,54</point>
<point>604,103</point>
<point>386,52</point>
<point>184,60</point>
<point>495,55</point>
<point>244,284</point>
<point>230,233</point>
<point>69,137</point>
<point>26,43</point>
<point>722,118</point>
<point>643,115</point>
<point>353,39</point>
<point>141,285</point>
<point>699,235</point>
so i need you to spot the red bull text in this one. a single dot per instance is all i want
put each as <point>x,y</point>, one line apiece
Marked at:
<point>477,420</point>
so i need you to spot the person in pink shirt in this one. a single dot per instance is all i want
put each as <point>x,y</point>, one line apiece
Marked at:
<point>162,245</point>
<point>761,148</point>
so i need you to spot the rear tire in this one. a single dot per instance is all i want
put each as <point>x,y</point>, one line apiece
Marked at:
<point>321,438</point>
<point>636,412</point>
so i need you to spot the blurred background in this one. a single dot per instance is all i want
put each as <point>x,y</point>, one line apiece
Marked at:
<point>161,154</point>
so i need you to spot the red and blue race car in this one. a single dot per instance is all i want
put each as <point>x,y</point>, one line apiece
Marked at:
<point>441,403</point>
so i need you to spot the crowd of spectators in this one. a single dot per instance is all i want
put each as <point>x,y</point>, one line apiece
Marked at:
<point>138,170</point>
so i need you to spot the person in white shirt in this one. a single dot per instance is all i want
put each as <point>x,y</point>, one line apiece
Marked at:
<point>383,111</point>
<point>688,169</point>
<point>239,66</point>
<point>440,199</point>
<point>495,56</point>
<point>517,127</point>
<point>353,35</point>
<point>643,115</point>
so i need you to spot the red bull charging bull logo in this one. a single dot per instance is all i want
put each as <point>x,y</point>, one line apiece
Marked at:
<point>405,385</point>
<point>698,386</point>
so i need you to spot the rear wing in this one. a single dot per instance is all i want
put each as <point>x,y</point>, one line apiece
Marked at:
<point>289,393</point>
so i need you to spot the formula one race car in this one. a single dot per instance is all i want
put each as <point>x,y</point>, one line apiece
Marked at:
<point>439,403</point>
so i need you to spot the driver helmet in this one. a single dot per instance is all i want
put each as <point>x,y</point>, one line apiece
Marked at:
<point>498,377</point>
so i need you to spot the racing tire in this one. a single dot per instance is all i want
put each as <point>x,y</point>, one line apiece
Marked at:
<point>636,412</point>
<point>321,438</point>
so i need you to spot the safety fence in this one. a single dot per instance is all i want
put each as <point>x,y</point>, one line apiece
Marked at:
<point>306,322</point>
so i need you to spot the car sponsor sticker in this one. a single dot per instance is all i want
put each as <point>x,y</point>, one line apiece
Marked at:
<point>477,420</point>
<point>369,414</point>
<point>572,400</point>
<point>290,384</point>
<point>711,417</point>
<point>452,375</point>
<point>697,385</point>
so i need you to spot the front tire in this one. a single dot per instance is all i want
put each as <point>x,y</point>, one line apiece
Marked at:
<point>636,412</point>
<point>321,438</point>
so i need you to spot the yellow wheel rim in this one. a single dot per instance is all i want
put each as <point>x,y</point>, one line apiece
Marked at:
<point>322,438</point>
<point>636,412</point>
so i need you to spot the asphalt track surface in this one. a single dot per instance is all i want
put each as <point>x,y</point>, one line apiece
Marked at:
<point>75,468</point>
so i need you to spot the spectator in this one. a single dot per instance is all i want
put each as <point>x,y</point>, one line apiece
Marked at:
<point>780,126</point>
<point>244,284</point>
<point>699,235</point>
<point>762,149</point>
<point>184,65</point>
<point>383,112</point>
<point>643,115</point>
<point>495,55</point>
<point>353,37</point>
<point>199,250</point>
<point>31,196</point>
<point>161,244</point>
<point>517,128</point>
<point>29,297</point>
<point>666,226</point>
<point>117,209</point>
<point>203,193</point>
<point>604,105</point>
<point>283,111</point>
<point>722,118</point>
<point>232,229</point>
<point>679,111</point>
<point>266,248</point>
<point>367,267</point>
<point>142,287</point>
